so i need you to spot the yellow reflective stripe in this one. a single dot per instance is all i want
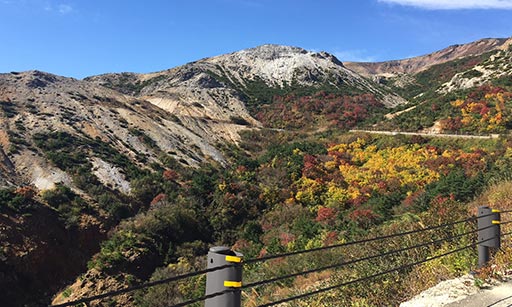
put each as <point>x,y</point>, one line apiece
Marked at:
<point>233,259</point>
<point>496,211</point>
<point>495,222</point>
<point>232,284</point>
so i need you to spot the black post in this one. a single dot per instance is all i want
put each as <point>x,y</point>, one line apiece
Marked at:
<point>224,279</point>
<point>488,233</point>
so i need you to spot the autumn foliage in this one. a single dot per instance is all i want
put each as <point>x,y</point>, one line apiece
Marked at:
<point>485,110</point>
<point>331,110</point>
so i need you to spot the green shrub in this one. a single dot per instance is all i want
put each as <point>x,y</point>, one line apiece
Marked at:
<point>69,205</point>
<point>14,202</point>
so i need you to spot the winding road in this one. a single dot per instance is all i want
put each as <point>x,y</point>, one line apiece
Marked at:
<point>462,136</point>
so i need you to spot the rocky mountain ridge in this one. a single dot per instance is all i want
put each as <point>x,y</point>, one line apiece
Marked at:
<point>420,63</point>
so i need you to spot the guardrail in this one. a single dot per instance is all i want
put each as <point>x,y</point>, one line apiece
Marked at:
<point>224,282</point>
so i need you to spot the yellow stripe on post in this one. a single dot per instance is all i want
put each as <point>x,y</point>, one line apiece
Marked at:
<point>495,222</point>
<point>233,259</point>
<point>232,284</point>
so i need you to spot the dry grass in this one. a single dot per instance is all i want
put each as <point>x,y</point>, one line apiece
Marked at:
<point>498,196</point>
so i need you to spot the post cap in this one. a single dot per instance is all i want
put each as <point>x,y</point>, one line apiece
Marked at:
<point>223,250</point>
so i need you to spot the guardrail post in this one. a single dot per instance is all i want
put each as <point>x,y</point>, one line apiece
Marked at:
<point>224,279</point>
<point>488,233</point>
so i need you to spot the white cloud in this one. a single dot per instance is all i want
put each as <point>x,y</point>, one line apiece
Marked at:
<point>454,4</point>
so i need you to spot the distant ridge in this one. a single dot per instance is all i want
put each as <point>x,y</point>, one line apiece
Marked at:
<point>420,63</point>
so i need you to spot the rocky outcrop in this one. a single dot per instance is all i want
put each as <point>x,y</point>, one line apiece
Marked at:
<point>7,170</point>
<point>497,66</point>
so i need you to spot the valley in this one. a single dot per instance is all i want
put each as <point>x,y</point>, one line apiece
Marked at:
<point>266,150</point>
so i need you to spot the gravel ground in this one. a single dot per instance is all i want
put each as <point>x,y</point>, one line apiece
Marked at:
<point>462,292</point>
<point>445,292</point>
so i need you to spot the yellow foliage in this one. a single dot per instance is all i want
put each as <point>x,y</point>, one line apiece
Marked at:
<point>457,103</point>
<point>336,195</point>
<point>309,191</point>
<point>403,163</point>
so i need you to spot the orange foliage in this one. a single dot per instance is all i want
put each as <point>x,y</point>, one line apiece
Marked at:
<point>160,197</point>
<point>170,175</point>
<point>486,110</point>
<point>27,192</point>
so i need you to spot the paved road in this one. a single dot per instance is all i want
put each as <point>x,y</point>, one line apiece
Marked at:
<point>462,136</point>
<point>499,296</point>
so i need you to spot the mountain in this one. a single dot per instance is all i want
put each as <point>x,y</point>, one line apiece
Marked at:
<point>184,111</point>
<point>129,172</point>
<point>237,77</point>
<point>417,64</point>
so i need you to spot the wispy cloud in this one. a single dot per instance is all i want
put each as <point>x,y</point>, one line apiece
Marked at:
<point>453,4</point>
<point>64,9</point>
<point>354,56</point>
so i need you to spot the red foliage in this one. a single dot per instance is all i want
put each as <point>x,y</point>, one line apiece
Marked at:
<point>27,192</point>
<point>160,197</point>
<point>363,217</point>
<point>241,244</point>
<point>263,252</point>
<point>451,124</point>
<point>266,226</point>
<point>440,164</point>
<point>441,204</point>
<point>330,238</point>
<point>410,199</point>
<point>312,168</point>
<point>241,169</point>
<point>286,238</point>
<point>291,111</point>
<point>170,175</point>
<point>359,200</point>
<point>326,215</point>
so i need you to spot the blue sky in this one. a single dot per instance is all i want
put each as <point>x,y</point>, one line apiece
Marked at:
<point>79,38</point>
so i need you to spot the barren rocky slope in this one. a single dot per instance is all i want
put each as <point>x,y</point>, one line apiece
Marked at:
<point>420,63</point>
<point>40,102</point>
<point>228,81</point>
